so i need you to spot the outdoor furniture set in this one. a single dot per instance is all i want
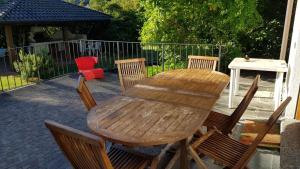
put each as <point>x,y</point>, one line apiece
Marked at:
<point>170,108</point>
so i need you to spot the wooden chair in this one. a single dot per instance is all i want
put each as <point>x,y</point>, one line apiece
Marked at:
<point>226,123</point>
<point>229,152</point>
<point>202,62</point>
<point>87,151</point>
<point>85,94</point>
<point>130,72</point>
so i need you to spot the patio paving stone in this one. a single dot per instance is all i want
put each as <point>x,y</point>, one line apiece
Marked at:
<point>26,143</point>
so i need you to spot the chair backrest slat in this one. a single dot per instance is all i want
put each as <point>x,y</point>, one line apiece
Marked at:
<point>86,62</point>
<point>202,62</point>
<point>85,93</point>
<point>82,149</point>
<point>240,110</point>
<point>130,72</point>
<point>262,133</point>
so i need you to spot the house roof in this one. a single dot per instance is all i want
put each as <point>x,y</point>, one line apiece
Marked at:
<point>46,12</point>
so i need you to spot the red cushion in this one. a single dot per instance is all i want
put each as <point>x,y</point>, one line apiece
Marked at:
<point>86,62</point>
<point>93,74</point>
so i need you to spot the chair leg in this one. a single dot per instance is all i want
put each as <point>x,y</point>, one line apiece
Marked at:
<point>154,163</point>
<point>197,159</point>
<point>173,160</point>
<point>229,168</point>
<point>157,159</point>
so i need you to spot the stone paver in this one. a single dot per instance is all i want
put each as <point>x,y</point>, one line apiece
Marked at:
<point>290,145</point>
<point>24,140</point>
<point>26,143</point>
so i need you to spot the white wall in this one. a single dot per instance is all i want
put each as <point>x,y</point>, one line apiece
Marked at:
<point>293,76</point>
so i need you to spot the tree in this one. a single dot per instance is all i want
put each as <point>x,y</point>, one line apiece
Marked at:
<point>81,3</point>
<point>71,1</point>
<point>215,21</point>
<point>265,40</point>
<point>191,21</point>
<point>127,18</point>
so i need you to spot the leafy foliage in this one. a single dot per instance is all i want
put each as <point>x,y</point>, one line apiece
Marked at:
<point>216,21</point>
<point>192,21</point>
<point>71,1</point>
<point>265,41</point>
<point>29,65</point>
<point>127,18</point>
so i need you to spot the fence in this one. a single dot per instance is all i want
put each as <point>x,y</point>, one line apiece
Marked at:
<point>30,64</point>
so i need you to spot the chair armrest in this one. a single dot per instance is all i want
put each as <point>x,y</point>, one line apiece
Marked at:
<point>203,138</point>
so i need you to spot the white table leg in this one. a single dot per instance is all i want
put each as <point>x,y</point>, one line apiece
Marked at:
<point>236,82</point>
<point>278,89</point>
<point>231,88</point>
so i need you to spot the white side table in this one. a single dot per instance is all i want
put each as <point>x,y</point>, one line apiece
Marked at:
<point>279,66</point>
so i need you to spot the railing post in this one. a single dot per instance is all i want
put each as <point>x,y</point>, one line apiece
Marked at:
<point>220,56</point>
<point>118,50</point>
<point>163,58</point>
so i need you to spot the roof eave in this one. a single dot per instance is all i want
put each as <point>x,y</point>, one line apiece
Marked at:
<point>46,23</point>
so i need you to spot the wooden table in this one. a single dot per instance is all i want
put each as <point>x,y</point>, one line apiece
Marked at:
<point>166,108</point>
<point>271,65</point>
<point>188,87</point>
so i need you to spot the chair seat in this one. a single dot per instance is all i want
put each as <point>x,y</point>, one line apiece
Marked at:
<point>122,159</point>
<point>93,73</point>
<point>223,149</point>
<point>220,121</point>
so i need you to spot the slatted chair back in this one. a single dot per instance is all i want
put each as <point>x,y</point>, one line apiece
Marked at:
<point>202,62</point>
<point>130,72</point>
<point>262,133</point>
<point>240,110</point>
<point>85,94</point>
<point>82,149</point>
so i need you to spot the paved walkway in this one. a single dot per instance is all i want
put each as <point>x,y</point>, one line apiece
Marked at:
<point>24,140</point>
<point>26,143</point>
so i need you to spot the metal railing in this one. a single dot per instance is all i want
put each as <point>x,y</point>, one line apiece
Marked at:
<point>30,64</point>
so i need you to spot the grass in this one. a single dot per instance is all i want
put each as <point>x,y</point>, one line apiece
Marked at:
<point>155,69</point>
<point>12,81</point>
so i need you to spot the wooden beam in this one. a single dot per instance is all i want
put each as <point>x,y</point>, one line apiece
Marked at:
<point>252,128</point>
<point>9,43</point>
<point>287,24</point>
<point>298,108</point>
<point>65,39</point>
<point>64,34</point>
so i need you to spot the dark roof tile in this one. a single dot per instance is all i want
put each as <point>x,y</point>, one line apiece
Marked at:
<point>46,11</point>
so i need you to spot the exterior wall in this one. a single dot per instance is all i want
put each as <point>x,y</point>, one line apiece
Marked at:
<point>293,77</point>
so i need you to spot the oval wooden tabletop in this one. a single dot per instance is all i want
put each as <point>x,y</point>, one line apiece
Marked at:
<point>189,87</point>
<point>139,122</point>
<point>164,109</point>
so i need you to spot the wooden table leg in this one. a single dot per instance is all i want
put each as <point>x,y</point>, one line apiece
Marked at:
<point>236,81</point>
<point>231,88</point>
<point>184,164</point>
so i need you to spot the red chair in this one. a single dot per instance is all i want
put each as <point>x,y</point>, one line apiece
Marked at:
<point>86,67</point>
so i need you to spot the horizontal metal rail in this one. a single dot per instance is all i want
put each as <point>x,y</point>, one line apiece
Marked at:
<point>30,64</point>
